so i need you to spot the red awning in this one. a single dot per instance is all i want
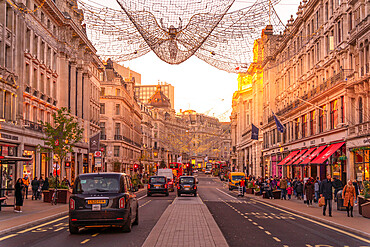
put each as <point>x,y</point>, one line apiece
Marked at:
<point>304,156</point>
<point>288,158</point>
<point>313,155</point>
<point>327,153</point>
<point>296,157</point>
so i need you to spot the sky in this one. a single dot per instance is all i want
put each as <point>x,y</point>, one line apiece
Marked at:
<point>199,86</point>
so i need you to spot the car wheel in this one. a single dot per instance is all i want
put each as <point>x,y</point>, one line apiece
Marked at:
<point>127,226</point>
<point>136,222</point>
<point>73,229</point>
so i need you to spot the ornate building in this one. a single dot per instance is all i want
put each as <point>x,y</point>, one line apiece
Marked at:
<point>144,92</point>
<point>247,110</point>
<point>47,62</point>
<point>316,81</point>
<point>120,121</point>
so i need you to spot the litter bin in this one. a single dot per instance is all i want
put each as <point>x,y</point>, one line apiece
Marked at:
<point>340,201</point>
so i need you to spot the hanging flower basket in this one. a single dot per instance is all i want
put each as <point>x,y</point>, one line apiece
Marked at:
<point>343,157</point>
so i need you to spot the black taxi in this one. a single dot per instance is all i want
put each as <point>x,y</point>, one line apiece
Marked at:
<point>157,185</point>
<point>103,199</point>
<point>187,185</point>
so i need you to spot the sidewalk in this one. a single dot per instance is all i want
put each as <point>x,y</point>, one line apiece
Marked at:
<point>357,224</point>
<point>33,212</point>
<point>186,222</point>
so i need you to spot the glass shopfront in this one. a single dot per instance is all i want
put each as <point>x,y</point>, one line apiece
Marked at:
<point>8,169</point>
<point>362,163</point>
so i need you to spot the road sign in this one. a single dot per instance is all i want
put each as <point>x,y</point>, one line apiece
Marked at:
<point>56,143</point>
<point>98,162</point>
<point>97,154</point>
<point>102,150</point>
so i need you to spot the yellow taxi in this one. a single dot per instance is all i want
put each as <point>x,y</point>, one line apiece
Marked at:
<point>234,179</point>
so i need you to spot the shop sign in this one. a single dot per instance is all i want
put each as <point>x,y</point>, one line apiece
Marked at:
<point>10,137</point>
<point>97,162</point>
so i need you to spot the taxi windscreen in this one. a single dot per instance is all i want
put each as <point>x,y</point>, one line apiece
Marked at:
<point>186,180</point>
<point>88,185</point>
<point>237,177</point>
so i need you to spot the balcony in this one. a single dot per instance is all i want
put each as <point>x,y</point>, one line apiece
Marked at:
<point>361,129</point>
<point>33,126</point>
<point>118,137</point>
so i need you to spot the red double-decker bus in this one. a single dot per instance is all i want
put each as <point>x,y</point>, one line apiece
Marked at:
<point>177,169</point>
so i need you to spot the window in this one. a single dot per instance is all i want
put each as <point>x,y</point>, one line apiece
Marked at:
<point>35,45</point>
<point>27,74</point>
<point>304,125</point>
<point>34,81</point>
<point>350,21</point>
<point>342,107</point>
<point>102,108</point>
<point>102,129</point>
<point>28,39</point>
<point>42,83</point>
<point>118,92</point>
<point>318,52</point>
<point>117,129</point>
<point>118,109</point>
<point>339,32</point>
<point>360,111</point>
<point>312,122</point>
<point>8,56</point>
<point>317,19</point>
<point>8,16</point>
<point>333,114</point>
<point>296,126</point>
<point>116,151</point>
<point>322,119</point>
<point>102,91</point>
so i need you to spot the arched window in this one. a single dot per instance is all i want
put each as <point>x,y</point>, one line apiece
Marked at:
<point>360,110</point>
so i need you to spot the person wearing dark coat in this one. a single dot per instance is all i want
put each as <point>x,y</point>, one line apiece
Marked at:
<point>299,189</point>
<point>309,191</point>
<point>35,186</point>
<point>19,187</point>
<point>45,185</point>
<point>337,184</point>
<point>326,190</point>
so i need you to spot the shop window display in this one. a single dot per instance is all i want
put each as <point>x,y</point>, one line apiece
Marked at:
<point>362,164</point>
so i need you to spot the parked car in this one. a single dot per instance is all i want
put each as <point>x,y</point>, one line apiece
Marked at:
<point>157,185</point>
<point>187,185</point>
<point>103,199</point>
<point>170,178</point>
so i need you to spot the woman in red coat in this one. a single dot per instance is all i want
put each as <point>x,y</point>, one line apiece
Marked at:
<point>349,195</point>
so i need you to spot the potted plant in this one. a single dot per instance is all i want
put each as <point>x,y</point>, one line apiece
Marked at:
<point>364,197</point>
<point>257,191</point>
<point>249,189</point>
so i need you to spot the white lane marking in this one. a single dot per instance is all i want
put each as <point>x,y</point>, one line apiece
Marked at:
<point>227,194</point>
<point>38,226</point>
<point>9,236</point>
<point>268,233</point>
<point>316,222</point>
<point>142,197</point>
<point>276,239</point>
<point>260,227</point>
<point>254,223</point>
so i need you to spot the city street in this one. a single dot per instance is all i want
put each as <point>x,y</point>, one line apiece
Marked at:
<point>243,222</point>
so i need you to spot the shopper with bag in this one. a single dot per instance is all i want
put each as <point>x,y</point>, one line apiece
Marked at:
<point>326,191</point>
<point>349,195</point>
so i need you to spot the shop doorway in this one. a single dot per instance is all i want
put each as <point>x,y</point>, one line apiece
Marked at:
<point>314,171</point>
<point>8,176</point>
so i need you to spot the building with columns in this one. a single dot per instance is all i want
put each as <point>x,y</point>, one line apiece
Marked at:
<point>46,62</point>
<point>247,106</point>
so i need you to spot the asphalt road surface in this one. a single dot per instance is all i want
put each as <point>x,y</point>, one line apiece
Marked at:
<point>55,233</point>
<point>243,222</point>
<point>249,222</point>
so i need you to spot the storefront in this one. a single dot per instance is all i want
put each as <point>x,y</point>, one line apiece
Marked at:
<point>361,160</point>
<point>29,167</point>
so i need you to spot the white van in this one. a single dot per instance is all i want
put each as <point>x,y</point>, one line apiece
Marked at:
<point>169,175</point>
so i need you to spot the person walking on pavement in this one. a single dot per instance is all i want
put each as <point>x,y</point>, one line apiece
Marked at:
<point>242,185</point>
<point>337,184</point>
<point>26,182</point>
<point>268,189</point>
<point>349,195</point>
<point>35,186</point>
<point>19,186</point>
<point>326,191</point>
<point>39,189</point>
<point>290,191</point>
<point>46,185</point>
<point>283,187</point>
<point>299,189</point>
<point>317,189</point>
<point>309,191</point>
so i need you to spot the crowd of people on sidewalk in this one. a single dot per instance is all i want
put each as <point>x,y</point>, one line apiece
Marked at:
<point>310,190</point>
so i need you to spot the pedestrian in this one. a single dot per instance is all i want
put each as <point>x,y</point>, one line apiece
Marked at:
<point>309,191</point>
<point>19,187</point>
<point>268,189</point>
<point>294,183</point>
<point>337,184</point>
<point>66,182</point>
<point>317,190</point>
<point>326,191</point>
<point>26,182</point>
<point>46,185</point>
<point>242,185</point>
<point>349,195</point>
<point>299,189</point>
<point>290,191</point>
<point>39,189</point>
<point>35,186</point>
<point>283,186</point>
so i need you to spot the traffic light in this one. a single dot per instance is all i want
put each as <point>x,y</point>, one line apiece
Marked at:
<point>136,167</point>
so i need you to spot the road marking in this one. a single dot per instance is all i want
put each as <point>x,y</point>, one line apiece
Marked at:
<point>250,219</point>
<point>276,239</point>
<point>316,222</point>
<point>145,204</point>
<point>260,227</point>
<point>142,197</point>
<point>85,241</point>
<point>94,235</point>
<point>48,223</point>
<point>268,233</point>
<point>226,193</point>
<point>254,223</point>
<point>9,236</point>
<point>246,217</point>
<point>58,229</point>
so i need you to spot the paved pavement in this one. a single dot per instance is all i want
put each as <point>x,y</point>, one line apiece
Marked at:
<point>251,222</point>
<point>186,222</point>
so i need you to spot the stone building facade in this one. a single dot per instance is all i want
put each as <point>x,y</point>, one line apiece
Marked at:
<point>47,62</point>
<point>315,81</point>
<point>120,121</point>
<point>144,92</point>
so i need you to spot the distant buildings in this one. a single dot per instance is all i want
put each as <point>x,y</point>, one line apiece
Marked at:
<point>144,92</point>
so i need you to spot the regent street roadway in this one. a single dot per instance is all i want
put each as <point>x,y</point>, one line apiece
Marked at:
<point>243,222</point>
